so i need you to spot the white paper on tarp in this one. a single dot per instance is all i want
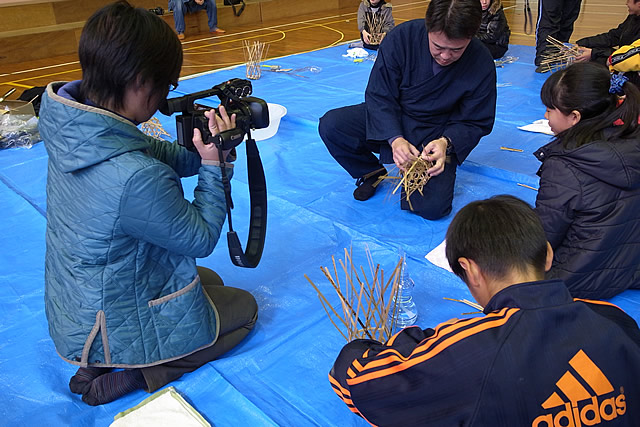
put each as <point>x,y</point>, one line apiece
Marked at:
<point>438,256</point>
<point>165,408</point>
<point>539,126</point>
<point>356,52</point>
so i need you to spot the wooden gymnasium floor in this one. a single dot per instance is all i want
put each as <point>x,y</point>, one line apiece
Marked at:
<point>305,33</point>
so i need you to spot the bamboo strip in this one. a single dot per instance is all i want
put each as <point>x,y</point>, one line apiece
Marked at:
<point>527,186</point>
<point>512,149</point>
<point>465,301</point>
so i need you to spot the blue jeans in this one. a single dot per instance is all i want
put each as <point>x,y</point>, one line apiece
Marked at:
<point>181,7</point>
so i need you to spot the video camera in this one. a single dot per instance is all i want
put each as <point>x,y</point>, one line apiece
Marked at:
<point>251,113</point>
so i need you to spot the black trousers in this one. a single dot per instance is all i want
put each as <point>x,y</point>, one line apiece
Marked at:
<point>344,133</point>
<point>238,312</point>
<point>555,19</point>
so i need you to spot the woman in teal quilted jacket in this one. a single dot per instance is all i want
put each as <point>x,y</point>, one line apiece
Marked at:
<point>122,286</point>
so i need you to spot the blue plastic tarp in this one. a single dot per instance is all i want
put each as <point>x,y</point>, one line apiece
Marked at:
<point>278,375</point>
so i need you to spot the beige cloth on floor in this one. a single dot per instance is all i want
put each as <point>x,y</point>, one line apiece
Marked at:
<point>165,408</point>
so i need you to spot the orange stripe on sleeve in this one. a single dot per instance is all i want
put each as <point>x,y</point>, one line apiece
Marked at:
<point>342,394</point>
<point>334,382</point>
<point>593,301</point>
<point>437,349</point>
<point>351,373</point>
<point>391,340</point>
<point>439,331</point>
<point>394,356</point>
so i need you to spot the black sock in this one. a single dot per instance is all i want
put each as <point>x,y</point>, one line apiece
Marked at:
<point>109,387</point>
<point>79,383</point>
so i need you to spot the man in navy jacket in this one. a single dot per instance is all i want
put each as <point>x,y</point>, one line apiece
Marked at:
<point>537,358</point>
<point>431,93</point>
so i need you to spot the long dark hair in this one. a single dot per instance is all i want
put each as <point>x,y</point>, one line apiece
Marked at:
<point>584,87</point>
<point>119,44</point>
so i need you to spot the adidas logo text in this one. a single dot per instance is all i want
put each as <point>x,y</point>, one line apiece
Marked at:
<point>589,414</point>
<point>582,408</point>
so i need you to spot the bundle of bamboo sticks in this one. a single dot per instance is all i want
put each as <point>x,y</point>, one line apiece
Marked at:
<point>411,180</point>
<point>560,55</point>
<point>368,304</point>
<point>254,53</point>
<point>374,24</point>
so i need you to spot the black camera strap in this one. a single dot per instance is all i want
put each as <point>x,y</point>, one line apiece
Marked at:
<point>258,201</point>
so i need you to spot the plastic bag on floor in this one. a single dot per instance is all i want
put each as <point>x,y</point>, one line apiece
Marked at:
<point>18,130</point>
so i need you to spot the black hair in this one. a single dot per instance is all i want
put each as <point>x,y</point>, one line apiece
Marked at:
<point>633,76</point>
<point>457,19</point>
<point>121,44</point>
<point>584,87</point>
<point>500,234</point>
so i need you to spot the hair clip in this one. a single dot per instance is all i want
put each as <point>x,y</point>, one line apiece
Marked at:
<point>617,81</point>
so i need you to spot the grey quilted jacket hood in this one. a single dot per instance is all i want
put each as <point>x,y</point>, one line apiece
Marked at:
<point>121,281</point>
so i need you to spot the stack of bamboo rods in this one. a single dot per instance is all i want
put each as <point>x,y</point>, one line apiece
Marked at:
<point>375,24</point>
<point>561,54</point>
<point>368,304</point>
<point>254,53</point>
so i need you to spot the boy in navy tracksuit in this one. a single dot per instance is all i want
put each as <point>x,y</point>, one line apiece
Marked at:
<point>537,358</point>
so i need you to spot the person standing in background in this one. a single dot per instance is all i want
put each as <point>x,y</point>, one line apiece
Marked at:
<point>555,19</point>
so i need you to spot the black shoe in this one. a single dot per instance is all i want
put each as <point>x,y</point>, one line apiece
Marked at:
<point>547,53</point>
<point>367,185</point>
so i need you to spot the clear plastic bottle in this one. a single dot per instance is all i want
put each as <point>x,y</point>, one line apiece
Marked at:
<point>406,312</point>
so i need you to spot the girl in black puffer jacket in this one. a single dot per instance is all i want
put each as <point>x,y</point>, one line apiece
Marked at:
<point>589,196</point>
<point>494,29</point>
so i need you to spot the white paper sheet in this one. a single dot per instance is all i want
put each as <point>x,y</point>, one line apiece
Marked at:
<point>539,126</point>
<point>438,256</point>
